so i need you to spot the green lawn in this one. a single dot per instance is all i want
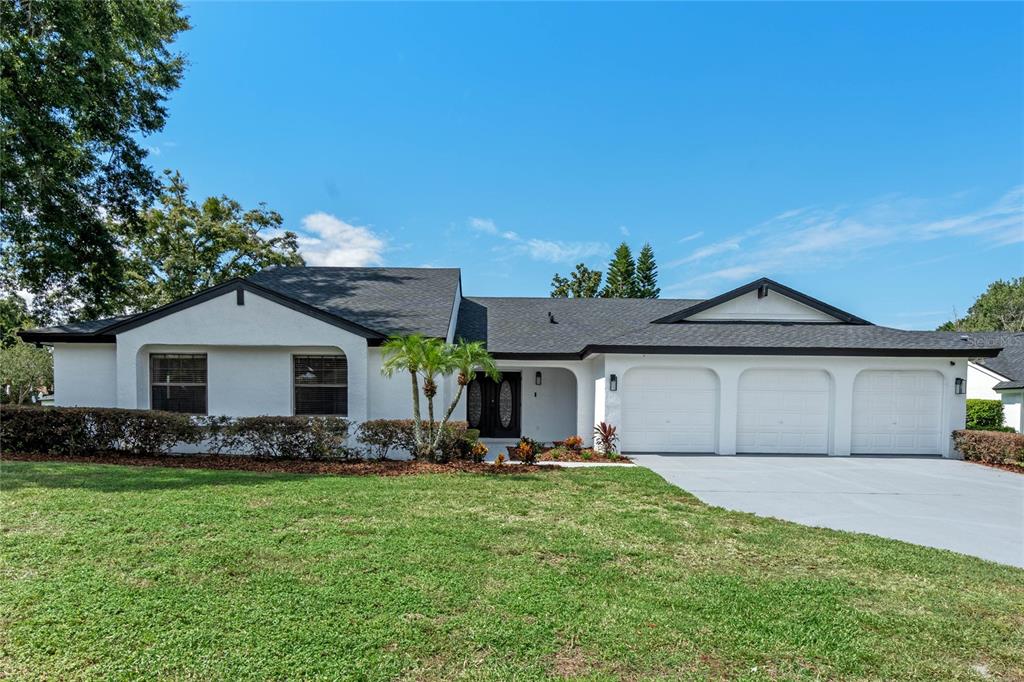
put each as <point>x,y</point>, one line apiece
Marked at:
<point>117,572</point>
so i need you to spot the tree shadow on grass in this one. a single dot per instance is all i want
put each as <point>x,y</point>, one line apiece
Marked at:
<point>114,478</point>
<point>111,478</point>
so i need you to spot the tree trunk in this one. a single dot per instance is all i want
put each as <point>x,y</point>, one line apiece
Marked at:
<point>430,429</point>
<point>447,416</point>
<point>417,422</point>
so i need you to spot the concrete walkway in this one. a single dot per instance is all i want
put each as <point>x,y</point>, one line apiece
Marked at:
<point>942,503</point>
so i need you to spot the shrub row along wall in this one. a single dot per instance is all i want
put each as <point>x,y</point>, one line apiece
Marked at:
<point>86,431</point>
<point>990,447</point>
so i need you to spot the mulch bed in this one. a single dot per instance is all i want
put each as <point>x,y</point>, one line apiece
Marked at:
<point>1012,468</point>
<point>574,456</point>
<point>388,467</point>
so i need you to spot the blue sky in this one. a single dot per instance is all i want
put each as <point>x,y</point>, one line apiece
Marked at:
<point>871,155</point>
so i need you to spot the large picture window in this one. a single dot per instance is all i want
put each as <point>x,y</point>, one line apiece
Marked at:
<point>321,384</point>
<point>178,382</point>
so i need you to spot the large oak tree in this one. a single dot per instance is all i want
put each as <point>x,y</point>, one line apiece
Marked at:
<point>81,83</point>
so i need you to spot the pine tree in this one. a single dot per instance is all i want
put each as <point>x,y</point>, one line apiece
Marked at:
<point>646,274</point>
<point>620,281</point>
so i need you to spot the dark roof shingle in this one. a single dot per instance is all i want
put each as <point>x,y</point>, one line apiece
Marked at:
<point>386,300</point>
<point>522,326</point>
<point>1010,361</point>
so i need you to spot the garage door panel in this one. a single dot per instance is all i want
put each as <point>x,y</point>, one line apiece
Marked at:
<point>897,412</point>
<point>669,410</point>
<point>783,411</point>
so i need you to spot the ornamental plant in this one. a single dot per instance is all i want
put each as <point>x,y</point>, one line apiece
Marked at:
<point>573,442</point>
<point>605,437</point>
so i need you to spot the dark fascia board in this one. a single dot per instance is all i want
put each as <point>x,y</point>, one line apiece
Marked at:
<point>107,334</point>
<point>787,350</point>
<point>753,350</point>
<point>840,315</point>
<point>29,336</point>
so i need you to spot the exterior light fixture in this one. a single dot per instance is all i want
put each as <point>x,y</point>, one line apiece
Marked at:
<point>959,386</point>
<point>537,378</point>
<point>613,383</point>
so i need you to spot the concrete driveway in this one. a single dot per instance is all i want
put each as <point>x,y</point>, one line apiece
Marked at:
<point>936,502</point>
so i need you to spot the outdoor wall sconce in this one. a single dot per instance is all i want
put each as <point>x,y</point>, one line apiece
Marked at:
<point>959,386</point>
<point>537,378</point>
<point>613,383</point>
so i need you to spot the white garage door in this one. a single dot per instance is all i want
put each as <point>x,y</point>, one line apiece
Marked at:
<point>897,413</point>
<point>783,412</point>
<point>669,410</point>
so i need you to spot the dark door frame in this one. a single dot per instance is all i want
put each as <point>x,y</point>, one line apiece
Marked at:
<point>489,424</point>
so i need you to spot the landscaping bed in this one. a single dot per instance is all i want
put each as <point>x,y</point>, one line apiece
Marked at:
<point>355,467</point>
<point>561,454</point>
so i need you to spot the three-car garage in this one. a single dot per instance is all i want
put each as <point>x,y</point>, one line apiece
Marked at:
<point>782,410</point>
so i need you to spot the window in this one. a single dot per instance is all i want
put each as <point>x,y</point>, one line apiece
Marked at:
<point>321,384</point>
<point>178,382</point>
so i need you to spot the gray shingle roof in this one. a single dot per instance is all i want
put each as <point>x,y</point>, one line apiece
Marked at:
<point>386,300</point>
<point>522,326</point>
<point>1010,361</point>
<point>84,327</point>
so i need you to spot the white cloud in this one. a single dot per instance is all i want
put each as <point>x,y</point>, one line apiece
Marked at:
<point>539,249</point>
<point>557,252</point>
<point>624,230</point>
<point>690,238</point>
<point>485,225</point>
<point>814,238</point>
<point>332,241</point>
<point>710,250</point>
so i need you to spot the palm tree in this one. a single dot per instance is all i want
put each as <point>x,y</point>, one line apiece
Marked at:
<point>435,360</point>
<point>405,354</point>
<point>467,358</point>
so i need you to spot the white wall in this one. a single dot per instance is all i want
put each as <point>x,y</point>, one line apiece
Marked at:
<point>1013,410</point>
<point>84,374</point>
<point>549,410</point>
<point>389,398</point>
<point>980,381</point>
<point>249,350</point>
<point>842,370</point>
<point>774,306</point>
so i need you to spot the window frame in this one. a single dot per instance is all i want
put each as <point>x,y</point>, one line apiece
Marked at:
<point>296,386</point>
<point>153,380</point>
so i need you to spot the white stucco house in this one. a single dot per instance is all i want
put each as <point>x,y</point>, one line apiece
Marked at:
<point>759,369</point>
<point>1000,377</point>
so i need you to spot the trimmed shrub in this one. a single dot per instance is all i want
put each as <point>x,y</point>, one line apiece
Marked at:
<point>380,436</point>
<point>312,438</point>
<point>984,415</point>
<point>85,431</point>
<point>88,430</point>
<point>990,447</point>
<point>384,434</point>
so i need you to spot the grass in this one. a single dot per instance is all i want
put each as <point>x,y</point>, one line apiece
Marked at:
<point>119,572</point>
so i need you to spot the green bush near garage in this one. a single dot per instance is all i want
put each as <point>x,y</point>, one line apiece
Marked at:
<point>984,415</point>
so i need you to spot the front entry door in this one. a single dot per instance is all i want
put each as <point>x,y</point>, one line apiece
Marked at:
<point>493,406</point>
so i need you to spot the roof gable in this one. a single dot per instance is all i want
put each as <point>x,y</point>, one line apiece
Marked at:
<point>763,300</point>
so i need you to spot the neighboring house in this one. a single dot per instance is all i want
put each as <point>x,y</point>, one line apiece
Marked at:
<point>1001,377</point>
<point>760,369</point>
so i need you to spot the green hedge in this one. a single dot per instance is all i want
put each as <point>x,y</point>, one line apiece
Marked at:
<point>86,431</point>
<point>380,436</point>
<point>984,415</point>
